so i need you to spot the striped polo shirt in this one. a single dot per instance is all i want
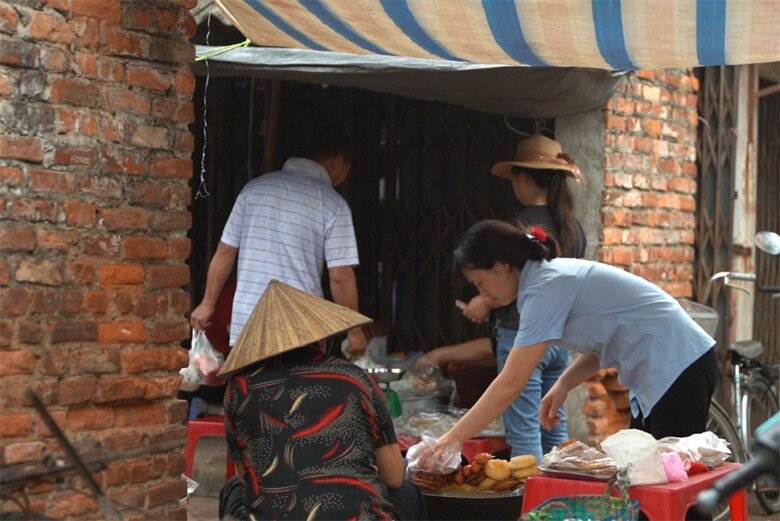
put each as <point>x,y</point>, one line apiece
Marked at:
<point>286,226</point>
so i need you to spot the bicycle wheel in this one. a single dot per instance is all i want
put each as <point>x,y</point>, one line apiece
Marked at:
<point>718,422</point>
<point>760,401</point>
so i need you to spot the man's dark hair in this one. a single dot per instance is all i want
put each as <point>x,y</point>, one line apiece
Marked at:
<point>329,141</point>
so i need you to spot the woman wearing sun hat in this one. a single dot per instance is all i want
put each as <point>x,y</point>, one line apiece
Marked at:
<point>539,174</point>
<point>310,435</point>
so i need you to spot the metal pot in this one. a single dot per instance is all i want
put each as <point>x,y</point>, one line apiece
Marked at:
<point>474,505</point>
<point>424,403</point>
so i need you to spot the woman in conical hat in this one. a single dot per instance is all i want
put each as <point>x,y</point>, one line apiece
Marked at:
<point>310,435</point>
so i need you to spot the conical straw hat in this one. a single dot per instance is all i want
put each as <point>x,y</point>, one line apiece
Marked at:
<point>286,318</point>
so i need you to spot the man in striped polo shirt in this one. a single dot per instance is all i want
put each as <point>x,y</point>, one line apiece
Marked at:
<point>286,225</point>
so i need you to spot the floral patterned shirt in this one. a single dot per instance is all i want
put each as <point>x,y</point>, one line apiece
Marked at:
<point>306,427</point>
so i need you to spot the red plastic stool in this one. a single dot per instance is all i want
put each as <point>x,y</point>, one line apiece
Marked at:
<point>669,502</point>
<point>212,426</point>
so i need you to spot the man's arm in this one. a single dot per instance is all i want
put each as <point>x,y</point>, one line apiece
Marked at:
<point>343,287</point>
<point>479,351</point>
<point>221,266</point>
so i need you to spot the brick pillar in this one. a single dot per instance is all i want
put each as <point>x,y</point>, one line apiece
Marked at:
<point>95,99</point>
<point>648,204</point>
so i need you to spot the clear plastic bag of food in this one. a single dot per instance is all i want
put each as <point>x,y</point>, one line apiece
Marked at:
<point>579,457</point>
<point>705,448</point>
<point>423,457</point>
<point>205,363</point>
<point>421,378</point>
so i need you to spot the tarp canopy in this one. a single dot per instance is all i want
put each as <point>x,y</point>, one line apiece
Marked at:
<point>513,91</point>
<point>601,34</point>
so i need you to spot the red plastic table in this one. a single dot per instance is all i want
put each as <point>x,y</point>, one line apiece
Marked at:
<point>667,502</point>
<point>470,449</point>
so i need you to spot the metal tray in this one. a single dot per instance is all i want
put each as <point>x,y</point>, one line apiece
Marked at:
<point>574,474</point>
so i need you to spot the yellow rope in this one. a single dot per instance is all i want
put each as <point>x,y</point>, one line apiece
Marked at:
<point>222,50</point>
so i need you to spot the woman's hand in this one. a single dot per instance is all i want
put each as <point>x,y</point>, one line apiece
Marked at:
<point>478,309</point>
<point>440,456</point>
<point>551,404</point>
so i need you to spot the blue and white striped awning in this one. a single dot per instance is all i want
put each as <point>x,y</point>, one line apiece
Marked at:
<point>603,34</point>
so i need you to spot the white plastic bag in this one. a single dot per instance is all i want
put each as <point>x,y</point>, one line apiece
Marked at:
<point>205,363</point>
<point>638,452</point>
<point>421,457</point>
<point>191,380</point>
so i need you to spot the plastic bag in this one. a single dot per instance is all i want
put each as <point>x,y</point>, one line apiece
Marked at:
<point>192,486</point>
<point>421,457</point>
<point>205,363</point>
<point>190,381</point>
<point>421,378</point>
<point>437,423</point>
<point>579,457</point>
<point>705,448</point>
<point>638,452</point>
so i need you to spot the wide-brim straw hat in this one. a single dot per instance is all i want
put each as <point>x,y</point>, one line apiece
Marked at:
<point>284,319</point>
<point>538,153</point>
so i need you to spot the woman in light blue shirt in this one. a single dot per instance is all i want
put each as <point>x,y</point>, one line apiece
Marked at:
<point>611,317</point>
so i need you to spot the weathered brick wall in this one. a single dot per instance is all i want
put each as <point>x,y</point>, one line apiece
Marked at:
<point>648,203</point>
<point>95,99</point>
<point>650,179</point>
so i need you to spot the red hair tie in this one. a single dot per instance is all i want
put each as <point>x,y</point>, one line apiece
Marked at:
<point>538,234</point>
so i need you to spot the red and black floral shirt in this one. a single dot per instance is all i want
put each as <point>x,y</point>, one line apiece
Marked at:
<point>306,427</point>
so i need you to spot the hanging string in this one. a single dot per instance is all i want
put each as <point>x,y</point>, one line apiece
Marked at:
<point>202,192</point>
<point>513,129</point>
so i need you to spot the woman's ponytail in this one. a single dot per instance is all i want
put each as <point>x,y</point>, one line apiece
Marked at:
<point>559,200</point>
<point>561,203</point>
<point>489,242</point>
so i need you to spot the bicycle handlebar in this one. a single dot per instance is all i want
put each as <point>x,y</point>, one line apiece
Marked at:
<point>725,275</point>
<point>763,462</point>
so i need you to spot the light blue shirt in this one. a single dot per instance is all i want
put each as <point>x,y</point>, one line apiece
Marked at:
<point>622,319</point>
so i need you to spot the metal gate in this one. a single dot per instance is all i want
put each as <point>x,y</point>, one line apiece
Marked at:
<point>766,311</point>
<point>420,178</point>
<point>715,151</point>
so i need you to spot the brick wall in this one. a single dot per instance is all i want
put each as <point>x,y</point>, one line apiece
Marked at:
<point>648,207</point>
<point>95,99</point>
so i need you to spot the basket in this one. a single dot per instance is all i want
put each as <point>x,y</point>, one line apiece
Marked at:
<point>585,507</point>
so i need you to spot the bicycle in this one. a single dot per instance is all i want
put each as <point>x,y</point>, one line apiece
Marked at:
<point>765,462</point>
<point>753,399</point>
